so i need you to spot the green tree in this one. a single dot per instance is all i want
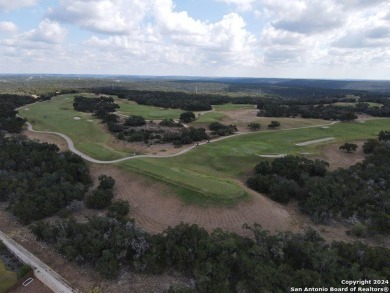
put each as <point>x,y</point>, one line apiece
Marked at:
<point>187,117</point>
<point>349,147</point>
<point>118,209</point>
<point>274,124</point>
<point>369,146</point>
<point>384,135</point>
<point>99,199</point>
<point>108,265</point>
<point>254,126</point>
<point>348,116</point>
<point>106,182</point>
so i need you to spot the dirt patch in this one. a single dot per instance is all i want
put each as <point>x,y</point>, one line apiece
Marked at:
<point>340,159</point>
<point>141,148</point>
<point>49,138</point>
<point>244,115</point>
<point>155,208</point>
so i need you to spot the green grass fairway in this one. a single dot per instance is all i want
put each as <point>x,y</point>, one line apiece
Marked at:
<point>191,186</point>
<point>212,168</point>
<point>371,104</point>
<point>7,278</point>
<point>148,112</point>
<point>88,137</point>
<point>230,107</point>
<point>209,117</point>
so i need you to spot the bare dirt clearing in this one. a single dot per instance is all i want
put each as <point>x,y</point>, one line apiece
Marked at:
<point>154,207</point>
<point>49,138</point>
<point>340,159</point>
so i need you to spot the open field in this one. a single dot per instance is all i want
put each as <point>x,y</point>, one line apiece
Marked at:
<point>7,278</point>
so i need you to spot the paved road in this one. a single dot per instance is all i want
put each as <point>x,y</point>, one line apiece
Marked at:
<point>44,273</point>
<point>92,160</point>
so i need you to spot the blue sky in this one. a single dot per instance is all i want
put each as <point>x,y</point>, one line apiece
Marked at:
<point>255,38</point>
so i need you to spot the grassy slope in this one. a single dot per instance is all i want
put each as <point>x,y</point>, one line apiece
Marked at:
<point>7,278</point>
<point>148,112</point>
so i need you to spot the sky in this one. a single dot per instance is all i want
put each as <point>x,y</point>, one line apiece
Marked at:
<point>330,39</point>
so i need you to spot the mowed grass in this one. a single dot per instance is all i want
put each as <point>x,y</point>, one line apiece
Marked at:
<point>58,115</point>
<point>148,112</point>
<point>231,107</point>
<point>7,278</point>
<point>209,117</point>
<point>371,104</point>
<point>285,123</point>
<point>192,187</point>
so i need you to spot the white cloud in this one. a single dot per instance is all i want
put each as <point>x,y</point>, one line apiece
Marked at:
<point>243,5</point>
<point>8,5</point>
<point>102,16</point>
<point>47,32</point>
<point>155,37</point>
<point>8,27</point>
<point>304,16</point>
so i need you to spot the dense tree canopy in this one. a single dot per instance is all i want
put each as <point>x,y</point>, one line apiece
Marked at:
<point>8,120</point>
<point>348,147</point>
<point>187,117</point>
<point>37,180</point>
<point>221,129</point>
<point>359,194</point>
<point>94,105</point>
<point>220,261</point>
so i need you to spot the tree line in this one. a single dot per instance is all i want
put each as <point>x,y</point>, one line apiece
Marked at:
<point>8,120</point>
<point>218,262</point>
<point>278,108</point>
<point>359,194</point>
<point>179,100</point>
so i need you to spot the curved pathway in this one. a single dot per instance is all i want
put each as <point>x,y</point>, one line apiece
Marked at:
<point>92,160</point>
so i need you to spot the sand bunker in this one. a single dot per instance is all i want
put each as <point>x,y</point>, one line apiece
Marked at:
<point>325,127</point>
<point>315,141</point>
<point>89,120</point>
<point>26,109</point>
<point>76,118</point>
<point>273,156</point>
